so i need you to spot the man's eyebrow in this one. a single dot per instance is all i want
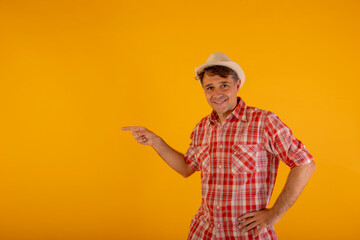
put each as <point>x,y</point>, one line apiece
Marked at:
<point>222,82</point>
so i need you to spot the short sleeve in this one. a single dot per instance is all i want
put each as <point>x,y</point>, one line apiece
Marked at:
<point>280,142</point>
<point>190,155</point>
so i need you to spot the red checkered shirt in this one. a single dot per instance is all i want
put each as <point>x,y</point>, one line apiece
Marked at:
<point>239,160</point>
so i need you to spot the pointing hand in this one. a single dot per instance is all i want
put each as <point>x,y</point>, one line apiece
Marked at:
<point>141,134</point>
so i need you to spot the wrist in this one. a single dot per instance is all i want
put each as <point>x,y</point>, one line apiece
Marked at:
<point>276,213</point>
<point>156,142</point>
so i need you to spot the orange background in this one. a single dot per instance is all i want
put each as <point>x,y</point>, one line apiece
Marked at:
<point>72,73</point>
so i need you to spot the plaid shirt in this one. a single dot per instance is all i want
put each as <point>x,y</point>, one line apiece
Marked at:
<point>239,160</point>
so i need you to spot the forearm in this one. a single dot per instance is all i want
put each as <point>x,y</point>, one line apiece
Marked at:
<point>172,157</point>
<point>297,179</point>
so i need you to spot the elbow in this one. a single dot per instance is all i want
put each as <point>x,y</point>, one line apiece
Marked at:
<point>186,175</point>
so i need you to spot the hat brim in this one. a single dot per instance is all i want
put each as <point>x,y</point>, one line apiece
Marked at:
<point>232,65</point>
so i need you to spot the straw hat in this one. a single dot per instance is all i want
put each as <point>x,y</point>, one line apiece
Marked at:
<point>221,59</point>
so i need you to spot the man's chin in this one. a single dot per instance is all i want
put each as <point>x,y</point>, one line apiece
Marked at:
<point>219,111</point>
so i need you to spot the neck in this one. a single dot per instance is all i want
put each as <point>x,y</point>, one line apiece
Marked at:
<point>222,117</point>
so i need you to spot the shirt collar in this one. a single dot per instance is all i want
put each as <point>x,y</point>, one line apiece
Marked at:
<point>239,112</point>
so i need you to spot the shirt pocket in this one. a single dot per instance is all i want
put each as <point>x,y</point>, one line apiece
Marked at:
<point>203,157</point>
<point>243,158</point>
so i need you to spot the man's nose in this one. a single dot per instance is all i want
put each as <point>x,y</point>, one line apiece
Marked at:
<point>216,92</point>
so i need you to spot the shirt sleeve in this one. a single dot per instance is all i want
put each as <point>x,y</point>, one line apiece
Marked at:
<point>281,142</point>
<point>190,155</point>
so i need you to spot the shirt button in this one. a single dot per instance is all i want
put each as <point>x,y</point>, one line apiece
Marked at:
<point>219,186</point>
<point>221,146</point>
<point>219,166</point>
<point>219,225</point>
<point>218,207</point>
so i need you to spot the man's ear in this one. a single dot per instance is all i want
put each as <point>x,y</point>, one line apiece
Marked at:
<point>238,84</point>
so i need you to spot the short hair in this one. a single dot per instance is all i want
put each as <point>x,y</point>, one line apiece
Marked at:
<point>222,71</point>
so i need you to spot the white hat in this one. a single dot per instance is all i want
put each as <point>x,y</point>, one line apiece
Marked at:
<point>221,59</point>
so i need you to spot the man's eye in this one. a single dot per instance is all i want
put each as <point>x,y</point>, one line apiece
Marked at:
<point>225,85</point>
<point>209,88</point>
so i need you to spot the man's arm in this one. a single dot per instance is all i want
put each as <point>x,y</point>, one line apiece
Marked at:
<point>297,179</point>
<point>172,157</point>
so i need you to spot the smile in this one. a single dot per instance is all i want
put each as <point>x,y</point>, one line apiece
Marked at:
<point>220,101</point>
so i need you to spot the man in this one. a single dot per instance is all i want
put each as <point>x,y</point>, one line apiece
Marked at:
<point>237,148</point>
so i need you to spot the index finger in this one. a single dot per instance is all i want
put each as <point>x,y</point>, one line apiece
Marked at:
<point>132,128</point>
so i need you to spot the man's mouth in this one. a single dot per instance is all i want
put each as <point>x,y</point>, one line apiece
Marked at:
<point>220,100</point>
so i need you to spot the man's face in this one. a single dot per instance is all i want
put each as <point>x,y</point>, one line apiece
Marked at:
<point>221,94</point>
